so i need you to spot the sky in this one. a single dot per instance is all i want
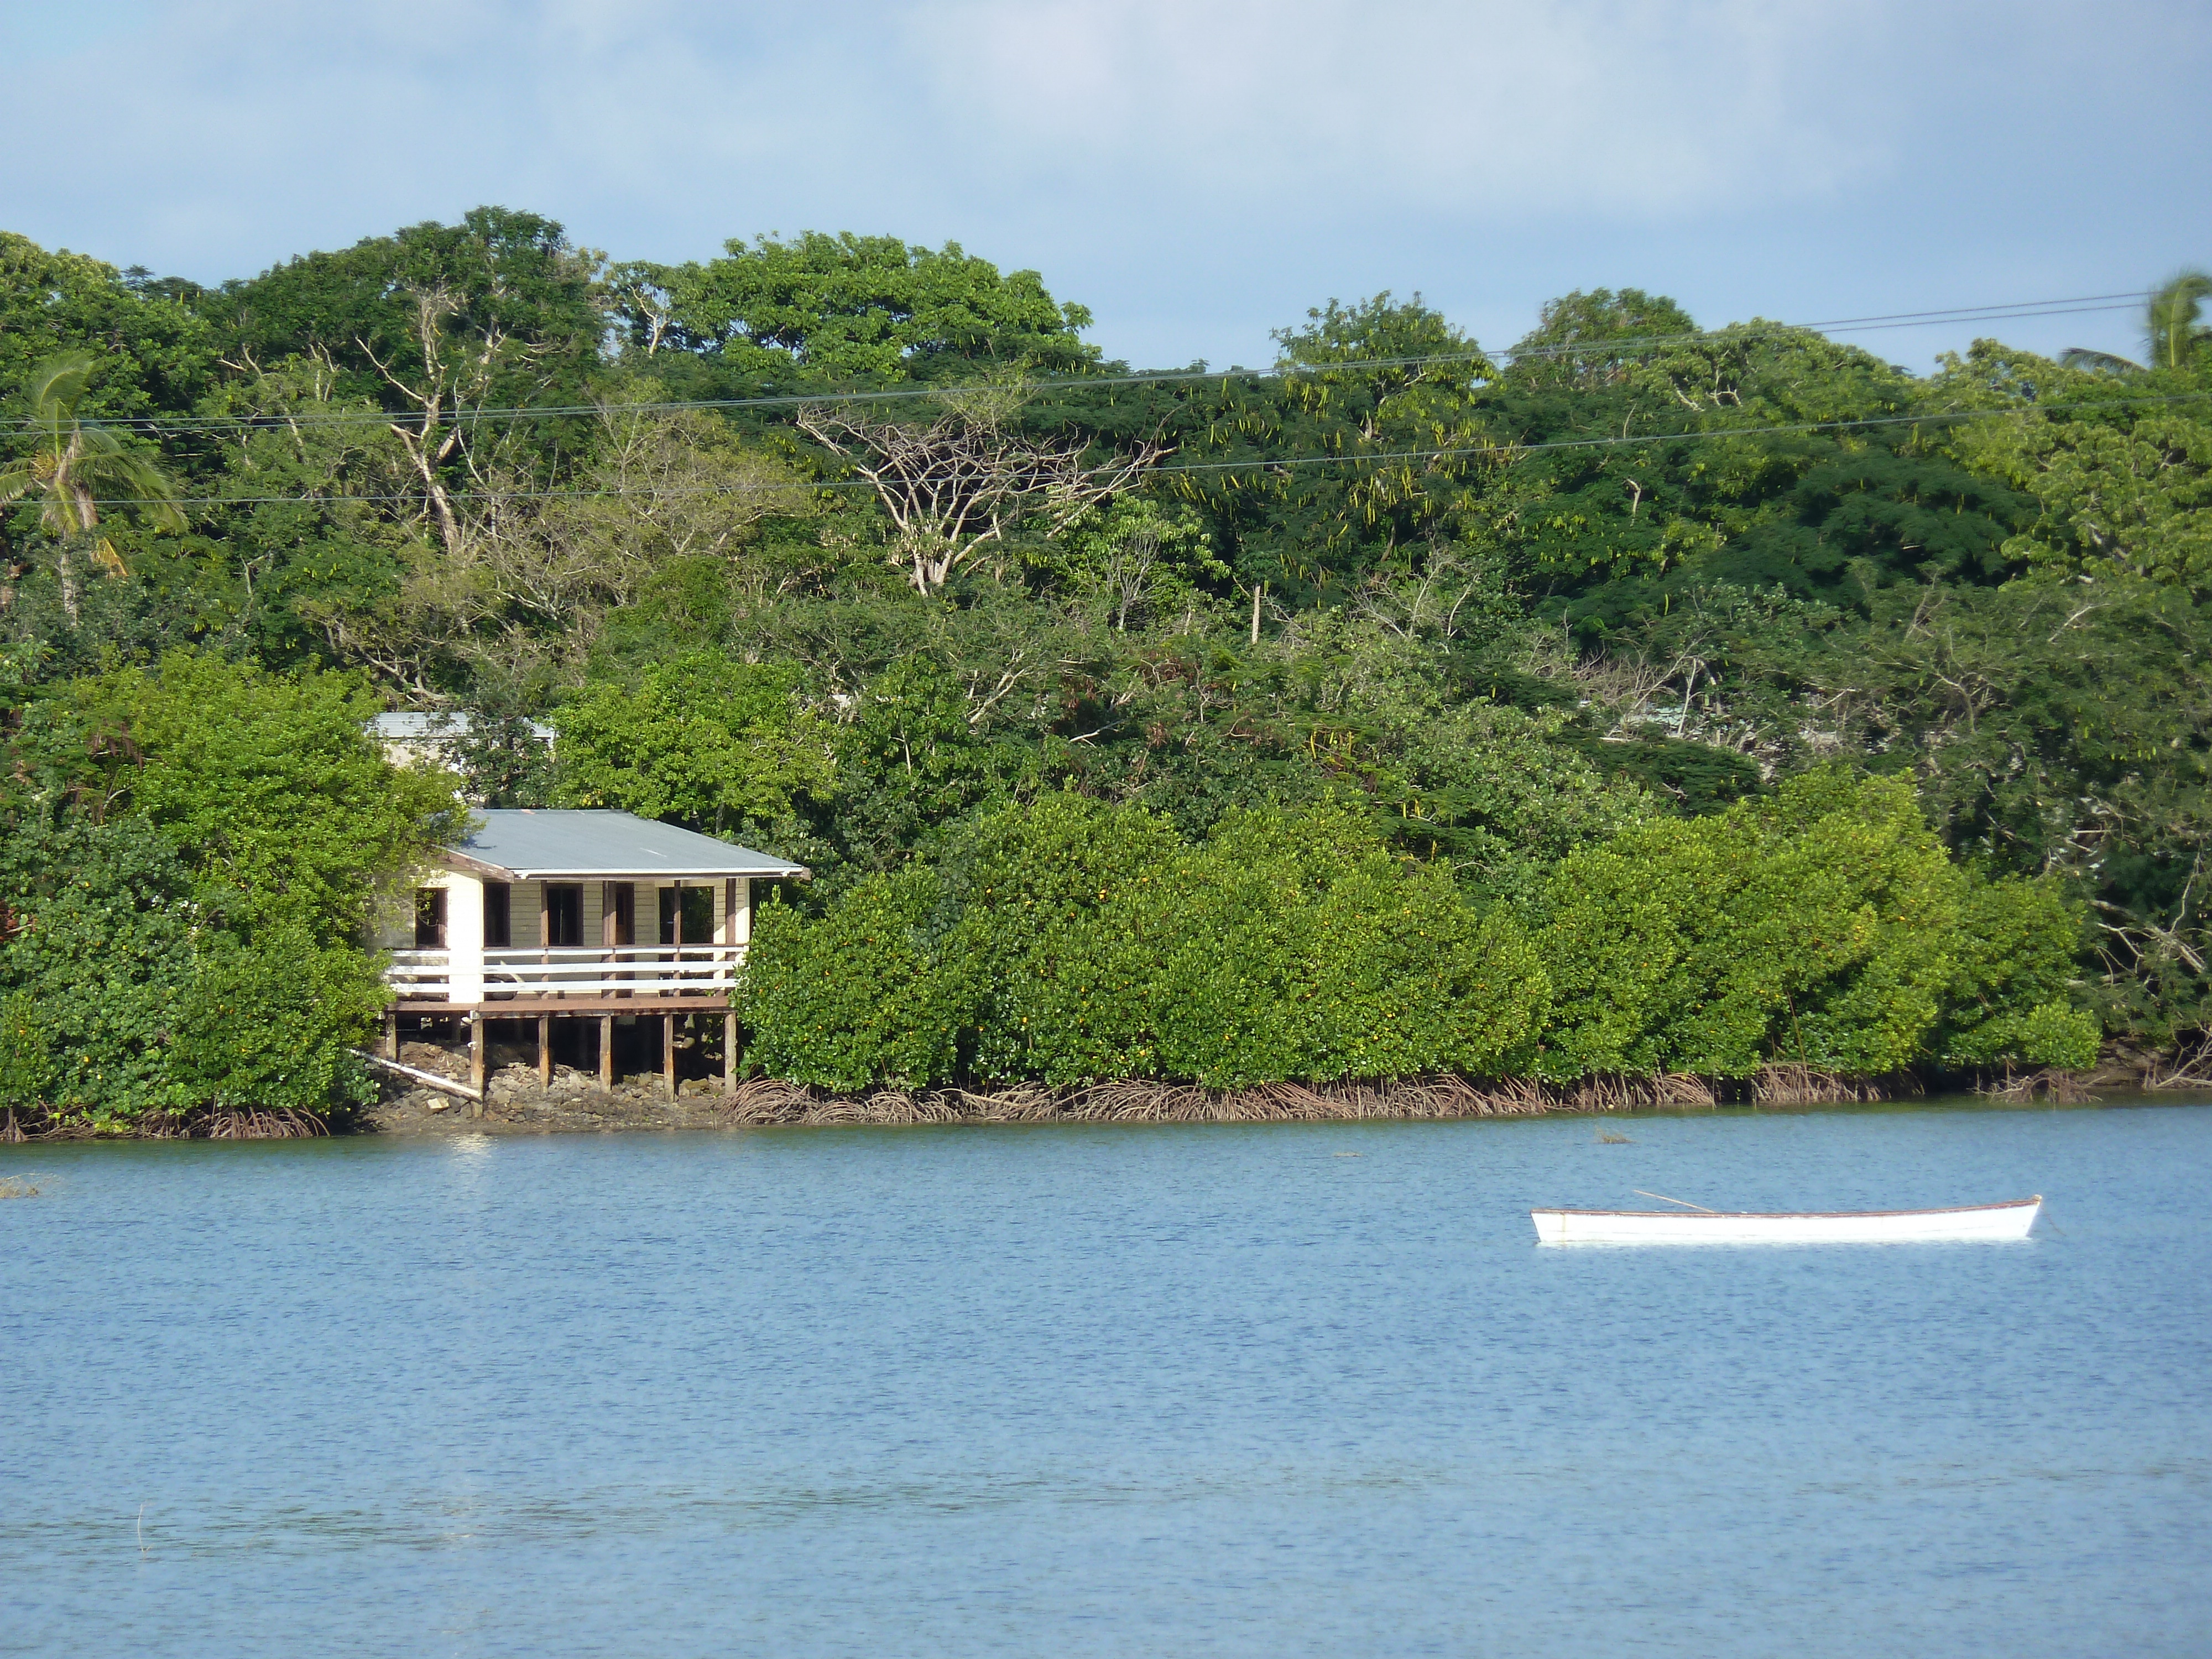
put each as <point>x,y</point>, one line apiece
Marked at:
<point>1198,173</point>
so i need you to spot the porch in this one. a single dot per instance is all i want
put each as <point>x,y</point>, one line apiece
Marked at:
<point>537,917</point>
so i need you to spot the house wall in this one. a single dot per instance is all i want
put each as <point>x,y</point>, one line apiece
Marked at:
<point>395,917</point>
<point>464,920</point>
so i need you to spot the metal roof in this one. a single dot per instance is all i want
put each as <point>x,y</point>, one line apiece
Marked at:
<point>406,725</point>
<point>528,844</point>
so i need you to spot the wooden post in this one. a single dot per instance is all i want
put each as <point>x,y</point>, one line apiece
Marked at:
<point>391,1035</point>
<point>668,1050</point>
<point>544,1051</point>
<point>606,1052</point>
<point>476,1051</point>
<point>729,1053</point>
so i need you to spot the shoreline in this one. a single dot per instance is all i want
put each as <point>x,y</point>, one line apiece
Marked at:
<point>517,1103</point>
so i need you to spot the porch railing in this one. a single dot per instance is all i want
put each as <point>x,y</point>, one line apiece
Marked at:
<point>416,975</point>
<point>594,971</point>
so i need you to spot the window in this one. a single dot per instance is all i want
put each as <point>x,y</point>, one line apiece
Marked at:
<point>564,913</point>
<point>498,916</point>
<point>429,918</point>
<point>693,907</point>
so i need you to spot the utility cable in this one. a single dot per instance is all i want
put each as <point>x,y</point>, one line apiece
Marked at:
<point>1257,465</point>
<point>1617,347</point>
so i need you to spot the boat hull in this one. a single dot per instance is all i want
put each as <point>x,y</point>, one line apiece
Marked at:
<point>1974,1222</point>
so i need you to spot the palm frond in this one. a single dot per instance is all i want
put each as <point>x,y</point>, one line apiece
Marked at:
<point>2097,362</point>
<point>57,386</point>
<point>2174,313</point>
<point>124,479</point>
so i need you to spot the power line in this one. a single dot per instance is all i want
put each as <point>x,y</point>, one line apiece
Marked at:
<point>1617,347</point>
<point>1260,465</point>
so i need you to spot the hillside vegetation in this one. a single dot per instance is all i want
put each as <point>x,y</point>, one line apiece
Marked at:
<point>1640,698</point>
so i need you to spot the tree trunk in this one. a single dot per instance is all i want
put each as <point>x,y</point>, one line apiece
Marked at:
<point>65,569</point>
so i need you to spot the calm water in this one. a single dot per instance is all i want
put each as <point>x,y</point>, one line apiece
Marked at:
<point>1167,1391</point>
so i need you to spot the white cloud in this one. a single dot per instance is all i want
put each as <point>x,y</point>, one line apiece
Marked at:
<point>1603,106</point>
<point>1196,171</point>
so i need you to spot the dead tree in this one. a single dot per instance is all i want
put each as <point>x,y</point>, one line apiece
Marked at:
<point>955,487</point>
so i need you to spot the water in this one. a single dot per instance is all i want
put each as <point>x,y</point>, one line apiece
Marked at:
<point>1219,1389</point>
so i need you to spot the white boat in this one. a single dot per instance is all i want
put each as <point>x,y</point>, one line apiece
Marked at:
<point>1691,1226</point>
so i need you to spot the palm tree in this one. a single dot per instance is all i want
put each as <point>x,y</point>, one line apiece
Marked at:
<point>73,466</point>
<point>2171,329</point>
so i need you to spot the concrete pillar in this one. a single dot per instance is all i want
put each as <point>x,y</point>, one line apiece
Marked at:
<point>476,1051</point>
<point>729,1053</point>
<point>606,1052</point>
<point>668,1047</point>
<point>544,1050</point>
<point>391,1035</point>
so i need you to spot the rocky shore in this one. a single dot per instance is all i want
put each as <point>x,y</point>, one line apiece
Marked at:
<point>516,1103</point>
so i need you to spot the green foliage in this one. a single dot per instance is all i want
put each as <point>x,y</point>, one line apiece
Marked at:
<point>496,310</point>
<point>267,1023</point>
<point>1824,926</point>
<point>846,307</point>
<point>1091,943</point>
<point>151,352</point>
<point>912,758</point>
<point>99,950</point>
<point>2123,474</point>
<point>862,996</point>
<point>191,857</point>
<point>286,805</point>
<point>701,741</point>
<point>1549,628</point>
<point>1135,558</point>
<point>1374,388</point>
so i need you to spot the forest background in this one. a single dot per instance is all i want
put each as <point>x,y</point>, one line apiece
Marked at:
<point>1642,699</point>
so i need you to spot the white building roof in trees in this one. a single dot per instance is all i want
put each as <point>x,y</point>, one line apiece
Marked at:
<point>402,726</point>
<point>536,844</point>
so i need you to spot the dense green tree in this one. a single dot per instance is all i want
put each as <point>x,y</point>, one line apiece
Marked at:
<point>1375,402</point>
<point>195,855</point>
<point>823,309</point>
<point>1824,926</point>
<point>716,745</point>
<point>151,354</point>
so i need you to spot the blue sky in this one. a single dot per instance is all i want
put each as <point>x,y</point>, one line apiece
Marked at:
<point>1197,173</point>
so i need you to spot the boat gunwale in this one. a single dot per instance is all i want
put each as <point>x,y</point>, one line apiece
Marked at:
<point>1797,1215</point>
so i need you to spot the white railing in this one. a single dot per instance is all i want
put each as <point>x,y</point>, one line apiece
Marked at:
<point>420,974</point>
<point>594,971</point>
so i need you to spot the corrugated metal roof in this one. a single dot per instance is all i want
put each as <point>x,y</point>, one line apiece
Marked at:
<point>403,725</point>
<point>530,843</point>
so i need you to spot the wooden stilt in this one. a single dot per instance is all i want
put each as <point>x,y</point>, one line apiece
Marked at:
<point>729,1053</point>
<point>392,1036</point>
<point>606,1051</point>
<point>668,1052</point>
<point>477,1053</point>
<point>544,1050</point>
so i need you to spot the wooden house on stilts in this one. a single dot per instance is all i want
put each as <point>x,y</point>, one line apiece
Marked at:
<point>605,918</point>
